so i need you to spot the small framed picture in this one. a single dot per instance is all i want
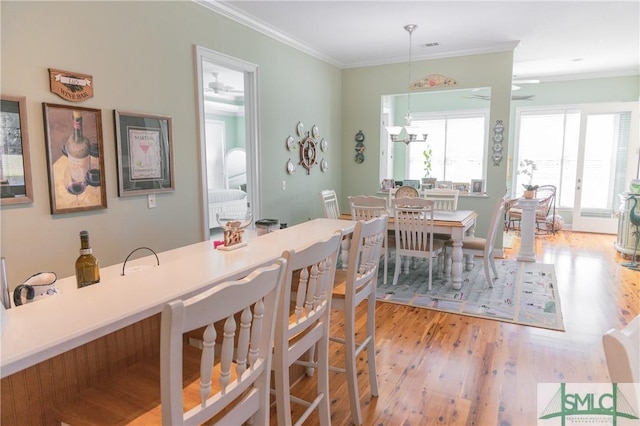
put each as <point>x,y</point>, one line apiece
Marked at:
<point>444,184</point>
<point>387,184</point>
<point>75,158</point>
<point>462,187</point>
<point>429,180</point>
<point>145,153</point>
<point>477,186</point>
<point>424,186</point>
<point>412,182</point>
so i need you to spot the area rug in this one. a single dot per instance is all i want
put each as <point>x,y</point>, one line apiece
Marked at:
<point>525,293</point>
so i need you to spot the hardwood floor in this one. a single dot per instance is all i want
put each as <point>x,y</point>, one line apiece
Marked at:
<point>438,368</point>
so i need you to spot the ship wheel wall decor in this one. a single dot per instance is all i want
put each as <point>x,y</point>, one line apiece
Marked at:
<point>308,153</point>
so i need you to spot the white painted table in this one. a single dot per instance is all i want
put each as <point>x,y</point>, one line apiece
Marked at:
<point>50,326</point>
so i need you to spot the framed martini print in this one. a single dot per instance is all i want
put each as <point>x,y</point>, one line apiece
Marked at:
<point>145,154</point>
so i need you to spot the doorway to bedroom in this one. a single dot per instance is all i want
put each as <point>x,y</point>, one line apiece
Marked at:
<point>228,114</point>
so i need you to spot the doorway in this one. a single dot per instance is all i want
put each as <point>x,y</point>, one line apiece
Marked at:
<point>227,93</point>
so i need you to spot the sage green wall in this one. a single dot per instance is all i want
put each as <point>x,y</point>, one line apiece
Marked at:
<point>141,56</point>
<point>361,105</point>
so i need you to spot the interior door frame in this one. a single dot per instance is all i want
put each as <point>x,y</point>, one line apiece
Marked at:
<point>602,225</point>
<point>252,145</point>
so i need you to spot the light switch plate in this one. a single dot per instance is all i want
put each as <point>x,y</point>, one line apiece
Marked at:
<point>151,201</point>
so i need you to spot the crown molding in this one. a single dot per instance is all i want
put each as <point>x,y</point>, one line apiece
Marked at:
<point>266,29</point>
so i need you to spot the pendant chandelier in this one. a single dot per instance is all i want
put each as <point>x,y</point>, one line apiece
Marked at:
<point>407,133</point>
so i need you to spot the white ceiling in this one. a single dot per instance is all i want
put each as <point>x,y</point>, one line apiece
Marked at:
<point>555,39</point>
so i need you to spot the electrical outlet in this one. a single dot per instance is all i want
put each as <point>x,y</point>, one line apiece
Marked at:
<point>151,201</point>
<point>284,185</point>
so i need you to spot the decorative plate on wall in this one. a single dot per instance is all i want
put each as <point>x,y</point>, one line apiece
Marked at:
<point>324,165</point>
<point>291,144</point>
<point>291,168</point>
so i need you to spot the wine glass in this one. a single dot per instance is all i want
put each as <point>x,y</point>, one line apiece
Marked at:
<point>74,185</point>
<point>233,224</point>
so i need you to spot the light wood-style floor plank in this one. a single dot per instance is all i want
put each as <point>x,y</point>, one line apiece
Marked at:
<point>438,368</point>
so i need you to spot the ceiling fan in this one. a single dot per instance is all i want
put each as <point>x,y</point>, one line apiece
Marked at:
<point>220,88</point>
<point>513,97</point>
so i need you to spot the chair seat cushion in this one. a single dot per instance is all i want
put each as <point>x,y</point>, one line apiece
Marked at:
<point>472,243</point>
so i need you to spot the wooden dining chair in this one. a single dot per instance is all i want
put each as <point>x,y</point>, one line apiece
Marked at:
<point>302,327</point>
<point>365,207</point>
<point>414,234</point>
<point>228,383</point>
<point>476,246</point>
<point>443,199</point>
<point>330,205</point>
<point>352,287</point>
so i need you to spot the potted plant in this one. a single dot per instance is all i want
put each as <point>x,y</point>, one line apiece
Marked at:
<point>529,190</point>
<point>426,154</point>
<point>527,167</point>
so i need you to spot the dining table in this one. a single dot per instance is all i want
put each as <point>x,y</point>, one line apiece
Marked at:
<point>458,224</point>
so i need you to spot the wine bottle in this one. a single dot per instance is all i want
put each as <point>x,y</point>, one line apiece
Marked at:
<point>78,150</point>
<point>87,270</point>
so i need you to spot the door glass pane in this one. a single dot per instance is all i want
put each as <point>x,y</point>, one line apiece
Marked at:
<point>602,163</point>
<point>541,140</point>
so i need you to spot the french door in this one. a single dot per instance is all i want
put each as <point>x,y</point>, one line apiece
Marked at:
<point>589,152</point>
<point>607,159</point>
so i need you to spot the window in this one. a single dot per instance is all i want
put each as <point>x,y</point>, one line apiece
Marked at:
<point>457,141</point>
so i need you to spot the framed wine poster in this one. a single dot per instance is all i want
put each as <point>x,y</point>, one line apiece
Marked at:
<point>75,158</point>
<point>15,165</point>
<point>145,153</point>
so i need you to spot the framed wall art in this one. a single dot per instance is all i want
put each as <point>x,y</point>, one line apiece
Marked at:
<point>15,163</point>
<point>145,153</point>
<point>75,158</point>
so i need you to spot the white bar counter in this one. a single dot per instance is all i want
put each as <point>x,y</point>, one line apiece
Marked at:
<point>52,325</point>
